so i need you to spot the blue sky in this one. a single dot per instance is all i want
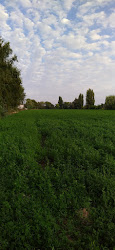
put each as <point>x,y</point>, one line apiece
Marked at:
<point>64,47</point>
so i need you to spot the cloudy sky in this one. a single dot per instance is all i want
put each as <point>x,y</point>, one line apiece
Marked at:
<point>64,47</point>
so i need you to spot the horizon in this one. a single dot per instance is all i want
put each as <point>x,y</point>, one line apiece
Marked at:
<point>63,48</point>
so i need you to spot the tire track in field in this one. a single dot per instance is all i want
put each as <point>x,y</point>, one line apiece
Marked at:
<point>44,158</point>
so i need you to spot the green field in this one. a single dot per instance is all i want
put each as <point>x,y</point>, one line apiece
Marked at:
<point>57,185</point>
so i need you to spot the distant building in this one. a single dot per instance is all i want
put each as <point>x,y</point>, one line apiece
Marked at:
<point>21,106</point>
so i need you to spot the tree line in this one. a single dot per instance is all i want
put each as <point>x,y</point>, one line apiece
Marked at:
<point>78,103</point>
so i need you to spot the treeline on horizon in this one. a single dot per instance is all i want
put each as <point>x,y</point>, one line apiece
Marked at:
<point>78,103</point>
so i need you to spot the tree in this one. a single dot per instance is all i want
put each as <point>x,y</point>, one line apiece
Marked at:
<point>90,98</point>
<point>60,102</point>
<point>67,105</point>
<point>11,90</point>
<point>31,104</point>
<point>110,102</point>
<point>49,105</point>
<point>57,106</point>
<point>41,105</point>
<point>78,103</point>
<point>80,100</point>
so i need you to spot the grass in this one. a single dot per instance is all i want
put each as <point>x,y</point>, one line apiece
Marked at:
<point>57,185</point>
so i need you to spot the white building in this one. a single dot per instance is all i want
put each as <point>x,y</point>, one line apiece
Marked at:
<point>21,106</point>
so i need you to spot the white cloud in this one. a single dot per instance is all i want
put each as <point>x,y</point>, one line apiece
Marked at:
<point>61,51</point>
<point>84,8</point>
<point>50,19</point>
<point>47,32</point>
<point>3,14</point>
<point>68,4</point>
<point>66,54</point>
<point>25,3</point>
<point>28,23</point>
<point>16,17</point>
<point>4,27</point>
<point>91,6</point>
<point>94,35</point>
<point>73,42</point>
<point>65,21</point>
<point>48,43</point>
<point>111,20</point>
<point>112,47</point>
<point>95,17</point>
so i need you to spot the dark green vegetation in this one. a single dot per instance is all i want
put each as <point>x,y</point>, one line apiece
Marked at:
<point>76,104</point>
<point>110,102</point>
<point>57,185</point>
<point>11,90</point>
<point>90,98</point>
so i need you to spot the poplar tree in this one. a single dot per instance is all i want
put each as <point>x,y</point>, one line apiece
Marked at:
<point>90,100</point>
<point>60,102</point>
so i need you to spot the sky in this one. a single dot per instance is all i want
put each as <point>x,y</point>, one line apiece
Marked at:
<point>64,47</point>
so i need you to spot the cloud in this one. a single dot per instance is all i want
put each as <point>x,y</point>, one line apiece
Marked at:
<point>4,27</point>
<point>112,48</point>
<point>73,42</point>
<point>84,8</point>
<point>65,21</point>
<point>111,20</point>
<point>94,35</point>
<point>91,6</point>
<point>90,19</point>
<point>48,44</point>
<point>16,18</point>
<point>28,23</point>
<point>63,47</point>
<point>25,3</point>
<point>3,14</point>
<point>68,4</point>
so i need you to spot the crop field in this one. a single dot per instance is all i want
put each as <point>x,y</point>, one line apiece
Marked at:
<point>57,180</point>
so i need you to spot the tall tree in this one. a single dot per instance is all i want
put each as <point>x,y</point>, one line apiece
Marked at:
<point>90,98</point>
<point>110,102</point>
<point>60,102</point>
<point>78,103</point>
<point>11,89</point>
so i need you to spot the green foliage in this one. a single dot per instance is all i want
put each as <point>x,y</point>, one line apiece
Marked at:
<point>60,102</point>
<point>57,185</point>
<point>80,98</point>
<point>110,102</point>
<point>90,98</point>
<point>67,105</point>
<point>78,103</point>
<point>32,104</point>
<point>57,106</point>
<point>11,90</point>
<point>49,105</point>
